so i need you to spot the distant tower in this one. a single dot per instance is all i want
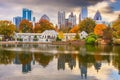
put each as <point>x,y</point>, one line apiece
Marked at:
<point>61,18</point>
<point>72,19</point>
<point>97,16</point>
<point>17,20</point>
<point>83,14</point>
<point>45,17</point>
<point>27,14</point>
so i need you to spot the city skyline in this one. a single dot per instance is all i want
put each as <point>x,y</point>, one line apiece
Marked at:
<point>108,8</point>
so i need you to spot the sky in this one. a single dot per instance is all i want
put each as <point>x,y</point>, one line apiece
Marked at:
<point>109,9</point>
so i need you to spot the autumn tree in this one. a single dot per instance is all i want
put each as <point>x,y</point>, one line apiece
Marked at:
<point>87,25</point>
<point>116,28</point>
<point>7,28</point>
<point>43,25</point>
<point>25,26</point>
<point>75,29</point>
<point>98,30</point>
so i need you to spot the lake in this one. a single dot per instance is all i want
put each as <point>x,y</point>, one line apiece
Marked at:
<point>59,62</point>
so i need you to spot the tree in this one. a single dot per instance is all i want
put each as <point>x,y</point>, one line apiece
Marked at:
<point>7,28</point>
<point>116,28</point>
<point>43,25</point>
<point>87,25</point>
<point>77,36</point>
<point>75,29</point>
<point>98,30</point>
<point>91,39</point>
<point>25,26</point>
<point>60,36</point>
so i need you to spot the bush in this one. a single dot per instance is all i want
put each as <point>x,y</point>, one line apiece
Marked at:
<point>35,38</point>
<point>58,39</point>
<point>91,39</point>
<point>19,39</point>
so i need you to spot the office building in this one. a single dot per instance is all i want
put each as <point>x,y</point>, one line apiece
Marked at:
<point>61,19</point>
<point>83,14</point>
<point>45,17</point>
<point>27,14</point>
<point>17,20</point>
<point>72,19</point>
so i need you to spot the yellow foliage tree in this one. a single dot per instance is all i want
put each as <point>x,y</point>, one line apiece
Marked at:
<point>60,35</point>
<point>99,28</point>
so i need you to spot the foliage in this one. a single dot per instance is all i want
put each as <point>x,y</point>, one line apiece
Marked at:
<point>60,35</point>
<point>107,33</point>
<point>87,25</point>
<point>35,38</point>
<point>98,30</point>
<point>43,25</point>
<point>116,28</point>
<point>77,36</point>
<point>65,29</point>
<point>7,28</point>
<point>25,26</point>
<point>91,39</point>
<point>75,29</point>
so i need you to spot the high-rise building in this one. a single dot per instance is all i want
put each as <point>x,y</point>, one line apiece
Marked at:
<point>83,14</point>
<point>27,14</point>
<point>17,20</point>
<point>72,19</point>
<point>45,17</point>
<point>61,19</point>
<point>98,17</point>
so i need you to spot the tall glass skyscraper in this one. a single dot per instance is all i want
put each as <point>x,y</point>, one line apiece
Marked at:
<point>61,18</point>
<point>84,13</point>
<point>27,14</point>
<point>17,20</point>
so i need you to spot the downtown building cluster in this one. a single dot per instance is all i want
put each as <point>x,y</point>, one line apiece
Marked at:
<point>62,20</point>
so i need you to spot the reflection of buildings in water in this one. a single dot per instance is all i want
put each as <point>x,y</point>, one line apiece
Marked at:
<point>16,60</point>
<point>83,69</point>
<point>66,58</point>
<point>26,68</point>
<point>61,63</point>
<point>97,66</point>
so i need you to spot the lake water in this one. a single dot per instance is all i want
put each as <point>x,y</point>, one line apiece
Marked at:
<point>59,62</point>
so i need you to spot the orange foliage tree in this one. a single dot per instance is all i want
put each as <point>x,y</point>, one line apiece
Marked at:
<point>43,25</point>
<point>25,26</point>
<point>75,29</point>
<point>99,28</point>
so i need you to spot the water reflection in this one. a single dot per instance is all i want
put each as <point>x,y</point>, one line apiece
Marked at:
<point>88,56</point>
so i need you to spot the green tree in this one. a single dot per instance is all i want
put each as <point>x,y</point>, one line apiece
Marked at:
<point>43,25</point>
<point>77,36</point>
<point>25,26</point>
<point>116,28</point>
<point>7,28</point>
<point>87,25</point>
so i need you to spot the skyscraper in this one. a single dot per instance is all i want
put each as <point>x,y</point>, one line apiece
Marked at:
<point>27,14</point>
<point>61,19</point>
<point>97,16</point>
<point>83,14</point>
<point>17,20</point>
<point>72,19</point>
<point>45,17</point>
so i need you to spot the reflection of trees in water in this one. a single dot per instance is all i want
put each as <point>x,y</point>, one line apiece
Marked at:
<point>43,59</point>
<point>116,57</point>
<point>25,59</point>
<point>66,58</point>
<point>6,57</point>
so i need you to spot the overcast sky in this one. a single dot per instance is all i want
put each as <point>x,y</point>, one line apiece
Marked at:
<point>110,9</point>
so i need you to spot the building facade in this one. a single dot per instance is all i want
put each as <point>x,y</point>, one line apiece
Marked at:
<point>72,19</point>
<point>27,14</point>
<point>98,18</point>
<point>61,18</point>
<point>83,14</point>
<point>17,20</point>
<point>45,17</point>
